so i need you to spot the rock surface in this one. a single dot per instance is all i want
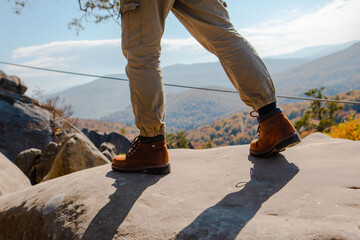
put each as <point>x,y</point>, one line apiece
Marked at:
<point>43,165</point>
<point>12,83</point>
<point>77,152</point>
<point>26,161</point>
<point>311,191</point>
<point>108,149</point>
<point>121,143</point>
<point>23,124</point>
<point>12,179</point>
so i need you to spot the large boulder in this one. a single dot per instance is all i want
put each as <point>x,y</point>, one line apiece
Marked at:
<point>12,179</point>
<point>46,160</point>
<point>35,164</point>
<point>26,161</point>
<point>311,191</point>
<point>121,143</point>
<point>12,83</point>
<point>77,152</point>
<point>2,74</point>
<point>23,124</point>
<point>108,149</point>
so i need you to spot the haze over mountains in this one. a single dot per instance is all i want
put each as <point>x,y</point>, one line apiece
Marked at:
<point>190,109</point>
<point>311,53</point>
<point>338,72</point>
<point>102,97</point>
<point>107,99</point>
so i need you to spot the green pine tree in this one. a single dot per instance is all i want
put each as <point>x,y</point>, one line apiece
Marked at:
<point>321,114</point>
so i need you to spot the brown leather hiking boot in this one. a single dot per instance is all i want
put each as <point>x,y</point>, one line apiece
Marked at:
<point>146,157</point>
<point>276,134</point>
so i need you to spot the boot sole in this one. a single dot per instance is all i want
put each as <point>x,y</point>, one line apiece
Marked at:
<point>289,141</point>
<point>155,169</point>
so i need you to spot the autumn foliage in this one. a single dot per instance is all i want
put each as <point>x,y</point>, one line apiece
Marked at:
<point>239,128</point>
<point>349,129</point>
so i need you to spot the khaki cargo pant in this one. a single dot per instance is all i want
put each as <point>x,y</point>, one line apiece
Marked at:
<point>208,21</point>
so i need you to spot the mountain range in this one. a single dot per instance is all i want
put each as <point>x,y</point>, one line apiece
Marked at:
<point>109,100</point>
<point>315,52</point>
<point>190,109</point>
<point>338,72</point>
<point>103,97</point>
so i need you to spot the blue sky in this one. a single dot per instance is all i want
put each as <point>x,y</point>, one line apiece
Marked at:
<point>40,36</point>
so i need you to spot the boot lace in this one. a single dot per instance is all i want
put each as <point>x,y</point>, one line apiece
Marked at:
<point>256,114</point>
<point>134,145</point>
<point>258,130</point>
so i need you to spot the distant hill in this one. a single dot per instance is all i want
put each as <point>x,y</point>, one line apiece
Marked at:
<point>279,65</point>
<point>338,72</point>
<point>311,53</point>
<point>206,74</point>
<point>190,109</point>
<point>240,128</point>
<point>237,128</point>
<point>97,98</point>
<point>102,97</point>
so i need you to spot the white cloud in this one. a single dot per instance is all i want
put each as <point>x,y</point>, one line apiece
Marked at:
<point>61,47</point>
<point>335,23</point>
<point>70,54</point>
<point>180,44</point>
<point>100,57</point>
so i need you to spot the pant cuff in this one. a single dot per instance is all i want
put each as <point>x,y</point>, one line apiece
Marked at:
<point>151,133</point>
<point>258,103</point>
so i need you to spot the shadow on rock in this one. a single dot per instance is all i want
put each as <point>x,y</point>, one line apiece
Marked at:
<point>227,218</point>
<point>129,187</point>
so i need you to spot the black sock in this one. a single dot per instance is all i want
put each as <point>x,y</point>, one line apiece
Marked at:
<point>267,108</point>
<point>268,111</point>
<point>152,139</point>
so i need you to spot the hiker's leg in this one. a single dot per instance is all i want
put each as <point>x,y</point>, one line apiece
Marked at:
<point>208,21</point>
<point>142,24</point>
